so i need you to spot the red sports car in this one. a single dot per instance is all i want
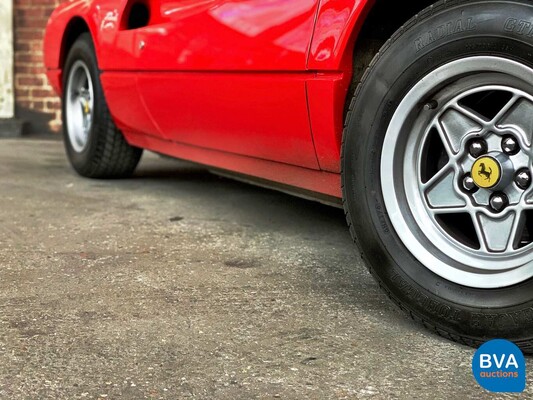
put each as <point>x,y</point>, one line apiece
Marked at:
<point>417,118</point>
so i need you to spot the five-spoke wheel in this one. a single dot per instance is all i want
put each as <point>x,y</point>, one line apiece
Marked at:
<point>79,105</point>
<point>460,172</point>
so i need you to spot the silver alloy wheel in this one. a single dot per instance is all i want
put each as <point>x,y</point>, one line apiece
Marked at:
<point>454,120</point>
<point>79,105</point>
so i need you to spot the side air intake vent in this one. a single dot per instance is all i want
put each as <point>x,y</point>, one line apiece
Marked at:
<point>137,16</point>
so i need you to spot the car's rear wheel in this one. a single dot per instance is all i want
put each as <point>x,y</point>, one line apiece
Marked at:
<point>95,146</point>
<point>439,138</point>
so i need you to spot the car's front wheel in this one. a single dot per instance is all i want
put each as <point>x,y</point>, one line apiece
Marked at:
<point>95,146</point>
<point>440,139</point>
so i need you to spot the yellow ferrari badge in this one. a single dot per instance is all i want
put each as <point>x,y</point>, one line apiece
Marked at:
<point>486,172</point>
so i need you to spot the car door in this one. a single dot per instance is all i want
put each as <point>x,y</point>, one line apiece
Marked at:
<point>229,75</point>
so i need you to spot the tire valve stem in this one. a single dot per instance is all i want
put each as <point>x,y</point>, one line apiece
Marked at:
<point>433,104</point>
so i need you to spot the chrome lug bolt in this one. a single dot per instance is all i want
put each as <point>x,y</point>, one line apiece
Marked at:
<point>498,202</point>
<point>469,184</point>
<point>477,148</point>
<point>510,145</point>
<point>523,179</point>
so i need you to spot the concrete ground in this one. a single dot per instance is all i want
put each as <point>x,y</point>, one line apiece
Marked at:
<point>180,284</point>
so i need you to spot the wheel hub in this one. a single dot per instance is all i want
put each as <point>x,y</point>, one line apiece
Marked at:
<point>497,179</point>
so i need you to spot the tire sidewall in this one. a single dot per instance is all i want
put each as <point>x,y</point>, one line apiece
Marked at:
<point>482,28</point>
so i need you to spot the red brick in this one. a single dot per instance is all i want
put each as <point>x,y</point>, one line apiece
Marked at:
<point>53,105</point>
<point>37,46</point>
<point>28,57</point>
<point>22,93</point>
<point>33,34</point>
<point>38,105</point>
<point>31,88</point>
<point>23,103</point>
<point>29,81</point>
<point>41,93</point>
<point>25,69</point>
<point>23,46</point>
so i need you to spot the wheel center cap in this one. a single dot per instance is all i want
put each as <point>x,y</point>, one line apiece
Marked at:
<point>85,106</point>
<point>486,172</point>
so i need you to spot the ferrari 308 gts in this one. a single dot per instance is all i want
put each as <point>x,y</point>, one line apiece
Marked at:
<point>415,117</point>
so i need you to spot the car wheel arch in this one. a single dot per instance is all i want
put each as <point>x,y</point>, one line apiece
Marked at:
<point>74,29</point>
<point>366,40</point>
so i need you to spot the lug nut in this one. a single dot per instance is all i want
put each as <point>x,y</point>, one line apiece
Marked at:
<point>510,145</point>
<point>477,148</point>
<point>469,184</point>
<point>523,179</point>
<point>498,202</point>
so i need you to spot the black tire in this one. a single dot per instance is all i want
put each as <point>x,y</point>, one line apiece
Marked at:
<point>106,154</point>
<point>463,314</point>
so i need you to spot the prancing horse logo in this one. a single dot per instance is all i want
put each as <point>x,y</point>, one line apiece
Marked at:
<point>485,172</point>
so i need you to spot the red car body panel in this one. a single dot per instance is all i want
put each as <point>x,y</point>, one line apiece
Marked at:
<point>218,35</point>
<point>251,86</point>
<point>338,24</point>
<point>234,113</point>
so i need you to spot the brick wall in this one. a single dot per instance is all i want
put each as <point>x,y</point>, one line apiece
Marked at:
<point>35,101</point>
